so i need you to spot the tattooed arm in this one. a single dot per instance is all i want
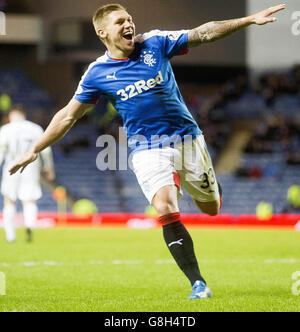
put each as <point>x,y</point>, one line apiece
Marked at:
<point>213,31</point>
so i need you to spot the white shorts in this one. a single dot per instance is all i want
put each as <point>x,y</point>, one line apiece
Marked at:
<point>17,187</point>
<point>187,164</point>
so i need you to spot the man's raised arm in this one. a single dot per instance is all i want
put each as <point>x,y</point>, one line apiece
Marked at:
<point>213,31</point>
<point>61,123</point>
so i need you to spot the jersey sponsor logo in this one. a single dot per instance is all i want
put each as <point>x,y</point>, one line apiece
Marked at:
<point>139,87</point>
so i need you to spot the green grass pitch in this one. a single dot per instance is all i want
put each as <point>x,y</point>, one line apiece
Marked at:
<point>125,270</point>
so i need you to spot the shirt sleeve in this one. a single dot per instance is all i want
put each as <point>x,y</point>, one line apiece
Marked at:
<point>175,43</point>
<point>87,91</point>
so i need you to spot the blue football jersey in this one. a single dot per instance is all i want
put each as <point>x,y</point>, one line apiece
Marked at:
<point>143,90</point>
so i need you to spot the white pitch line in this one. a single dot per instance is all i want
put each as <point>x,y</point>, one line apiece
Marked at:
<point>282,261</point>
<point>158,261</point>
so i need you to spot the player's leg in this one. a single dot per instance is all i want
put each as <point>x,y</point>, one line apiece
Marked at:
<point>176,236</point>
<point>211,208</point>
<point>156,174</point>
<point>198,177</point>
<point>166,200</point>
<point>29,193</point>
<point>9,214</point>
<point>30,212</point>
<point>9,189</point>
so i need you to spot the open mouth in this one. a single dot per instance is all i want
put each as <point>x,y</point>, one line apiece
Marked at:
<point>128,35</point>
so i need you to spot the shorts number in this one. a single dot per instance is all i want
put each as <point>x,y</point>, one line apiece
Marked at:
<point>212,175</point>
<point>205,181</point>
<point>208,179</point>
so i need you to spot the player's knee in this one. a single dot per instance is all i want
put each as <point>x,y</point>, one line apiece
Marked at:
<point>212,213</point>
<point>165,207</point>
<point>165,201</point>
<point>29,203</point>
<point>9,202</point>
<point>212,209</point>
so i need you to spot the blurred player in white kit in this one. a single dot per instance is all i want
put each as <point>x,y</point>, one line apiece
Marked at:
<point>15,139</point>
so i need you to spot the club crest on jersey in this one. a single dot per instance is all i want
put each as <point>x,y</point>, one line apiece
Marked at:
<point>148,58</point>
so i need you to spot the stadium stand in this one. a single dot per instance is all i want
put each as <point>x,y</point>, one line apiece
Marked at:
<point>23,91</point>
<point>269,166</point>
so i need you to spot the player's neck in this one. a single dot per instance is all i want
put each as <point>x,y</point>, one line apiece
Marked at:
<point>115,53</point>
<point>16,119</point>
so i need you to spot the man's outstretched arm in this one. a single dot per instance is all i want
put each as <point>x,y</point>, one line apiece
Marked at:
<point>61,123</point>
<point>213,31</point>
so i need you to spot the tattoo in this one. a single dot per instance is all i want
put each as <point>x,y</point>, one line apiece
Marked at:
<point>213,31</point>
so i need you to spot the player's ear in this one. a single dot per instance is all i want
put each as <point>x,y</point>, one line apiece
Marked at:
<point>102,33</point>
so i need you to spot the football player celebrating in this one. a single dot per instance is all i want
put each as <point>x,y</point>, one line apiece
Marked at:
<point>136,77</point>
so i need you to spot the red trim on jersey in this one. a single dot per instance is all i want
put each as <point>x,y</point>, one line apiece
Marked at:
<point>176,178</point>
<point>123,59</point>
<point>170,218</point>
<point>120,59</point>
<point>183,52</point>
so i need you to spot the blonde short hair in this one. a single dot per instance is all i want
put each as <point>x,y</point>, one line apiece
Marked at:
<point>103,11</point>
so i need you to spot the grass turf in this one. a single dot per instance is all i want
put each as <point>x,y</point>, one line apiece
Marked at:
<point>132,271</point>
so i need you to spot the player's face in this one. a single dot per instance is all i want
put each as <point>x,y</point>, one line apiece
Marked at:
<point>120,31</point>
